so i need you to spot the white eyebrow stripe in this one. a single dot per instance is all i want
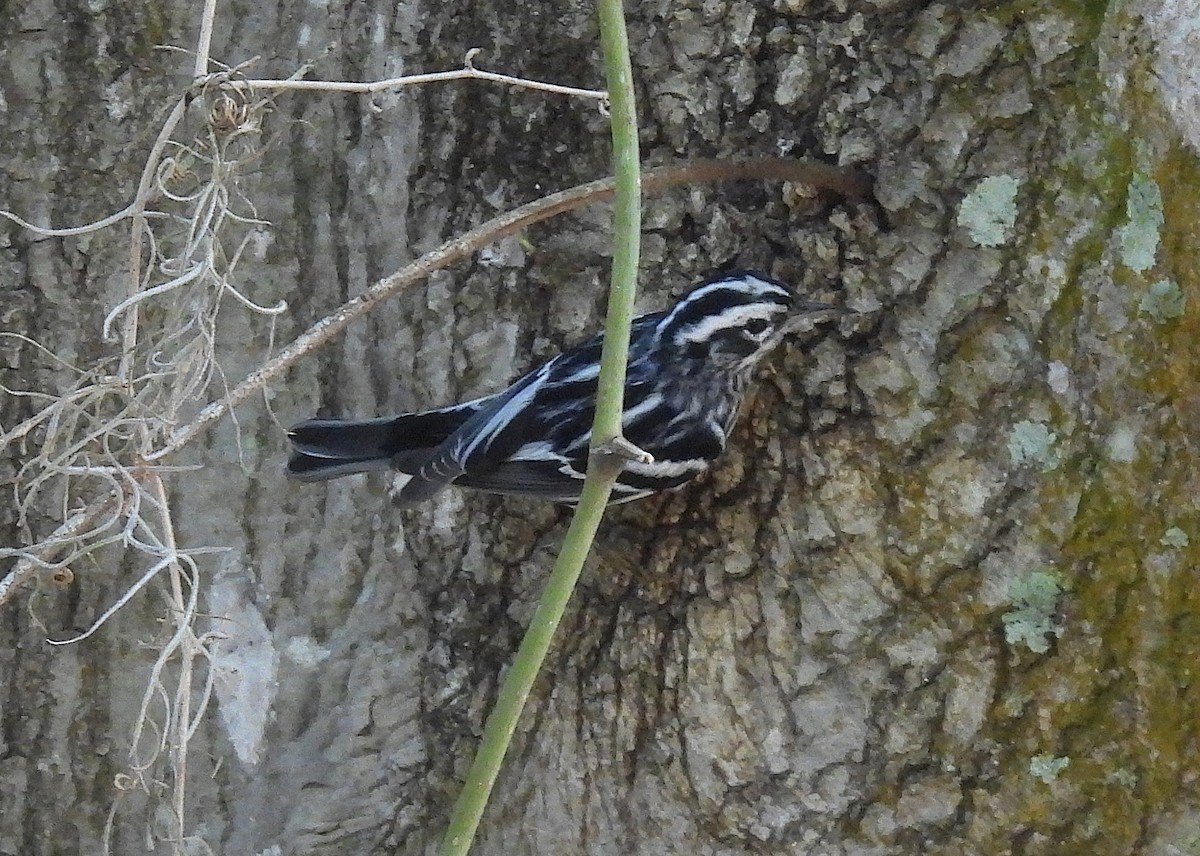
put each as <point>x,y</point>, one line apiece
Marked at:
<point>759,285</point>
<point>749,283</point>
<point>735,316</point>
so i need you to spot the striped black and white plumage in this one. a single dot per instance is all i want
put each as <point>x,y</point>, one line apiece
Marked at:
<point>688,369</point>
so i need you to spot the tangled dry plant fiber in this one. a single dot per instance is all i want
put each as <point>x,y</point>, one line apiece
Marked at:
<point>84,448</point>
<point>92,450</point>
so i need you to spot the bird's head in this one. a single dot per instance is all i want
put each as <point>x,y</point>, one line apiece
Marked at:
<point>733,320</point>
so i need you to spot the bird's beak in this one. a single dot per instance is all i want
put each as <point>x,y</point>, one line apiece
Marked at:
<point>809,313</point>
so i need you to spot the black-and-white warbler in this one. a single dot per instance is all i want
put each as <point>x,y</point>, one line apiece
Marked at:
<point>688,369</point>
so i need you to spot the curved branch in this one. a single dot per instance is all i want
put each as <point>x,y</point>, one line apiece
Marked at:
<point>847,183</point>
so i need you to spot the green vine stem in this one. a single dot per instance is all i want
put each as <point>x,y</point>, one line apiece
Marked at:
<point>609,449</point>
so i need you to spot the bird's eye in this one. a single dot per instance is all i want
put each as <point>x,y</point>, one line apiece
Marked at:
<point>755,326</point>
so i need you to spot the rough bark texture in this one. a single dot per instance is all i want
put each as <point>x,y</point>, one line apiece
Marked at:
<point>843,642</point>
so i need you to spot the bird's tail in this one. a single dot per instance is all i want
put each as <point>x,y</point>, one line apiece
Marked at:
<point>330,448</point>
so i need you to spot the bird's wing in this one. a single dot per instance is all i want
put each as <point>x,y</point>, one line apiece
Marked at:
<point>481,443</point>
<point>381,437</point>
<point>417,436</point>
<point>541,479</point>
<point>551,469</point>
<point>545,480</point>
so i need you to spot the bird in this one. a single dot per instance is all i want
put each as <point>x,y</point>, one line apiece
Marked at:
<point>688,370</point>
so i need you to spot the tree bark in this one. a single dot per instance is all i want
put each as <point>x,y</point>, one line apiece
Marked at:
<point>938,596</point>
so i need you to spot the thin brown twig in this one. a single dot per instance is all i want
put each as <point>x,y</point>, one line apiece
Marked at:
<point>419,79</point>
<point>467,72</point>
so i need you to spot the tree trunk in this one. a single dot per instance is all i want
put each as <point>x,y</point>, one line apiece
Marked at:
<point>938,596</point>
